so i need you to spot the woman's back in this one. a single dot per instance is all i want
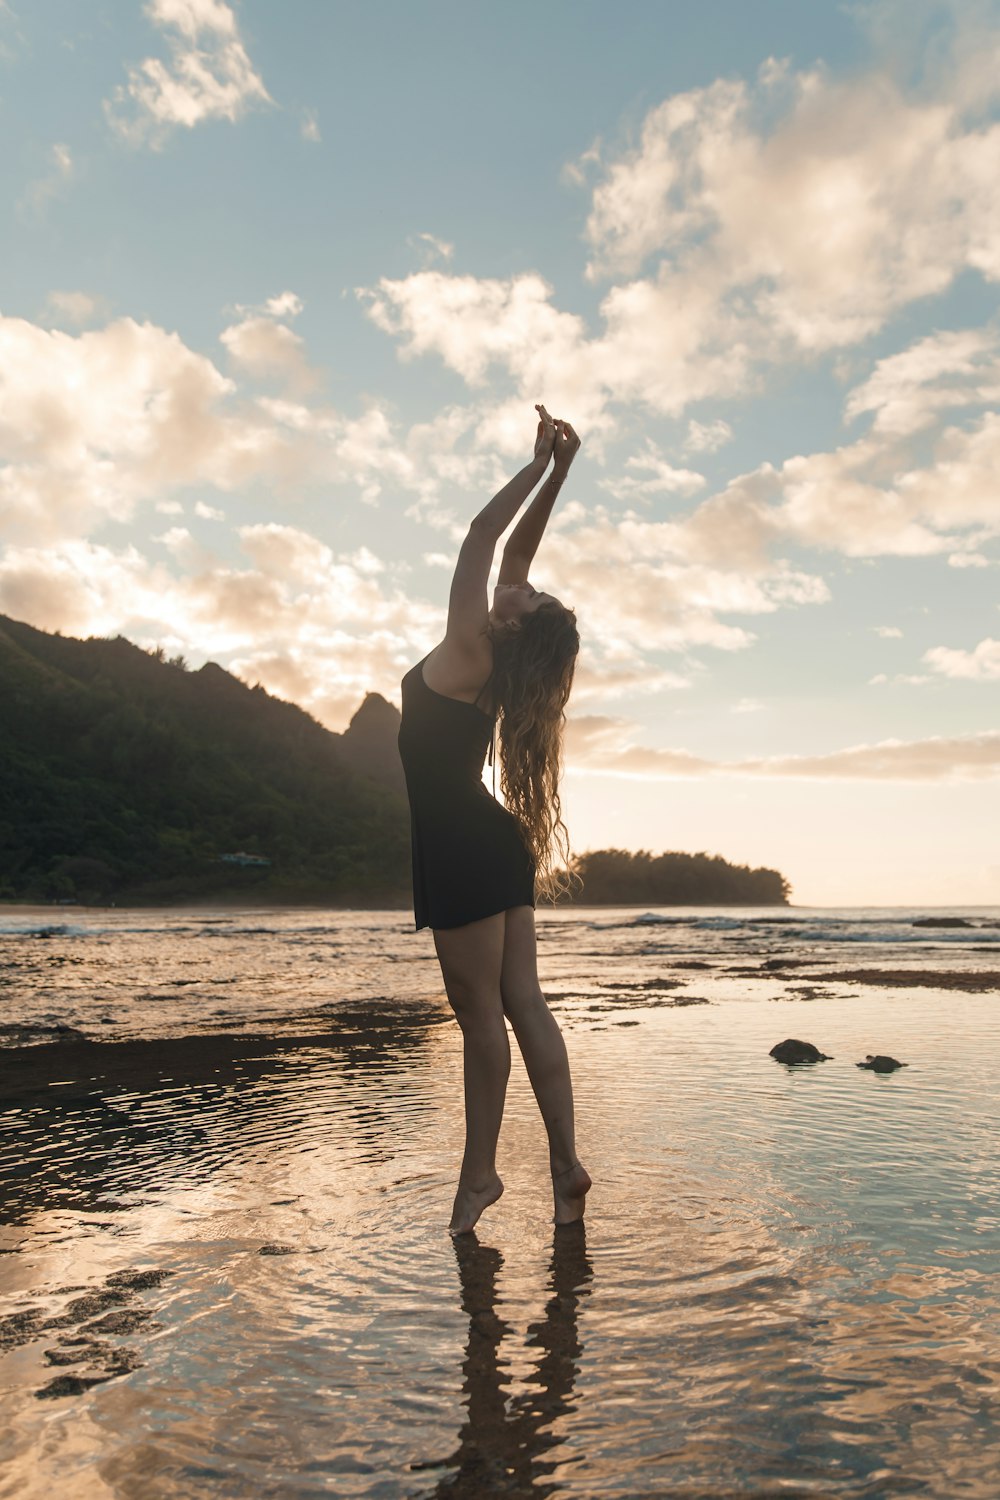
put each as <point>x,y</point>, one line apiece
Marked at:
<point>442,741</point>
<point>469,859</point>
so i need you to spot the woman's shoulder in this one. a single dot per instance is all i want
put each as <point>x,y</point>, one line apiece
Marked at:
<point>459,672</point>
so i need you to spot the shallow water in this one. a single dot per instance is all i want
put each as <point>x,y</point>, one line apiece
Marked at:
<point>113,974</point>
<point>787,1283</point>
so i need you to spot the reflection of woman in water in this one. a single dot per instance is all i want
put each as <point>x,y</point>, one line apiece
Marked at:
<point>475,862</point>
<point>501,1448</point>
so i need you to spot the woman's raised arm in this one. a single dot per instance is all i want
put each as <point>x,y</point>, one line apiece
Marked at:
<point>468,604</point>
<point>524,539</point>
<point>497,516</point>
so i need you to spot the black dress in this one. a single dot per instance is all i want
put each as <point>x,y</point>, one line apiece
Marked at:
<point>469,860</point>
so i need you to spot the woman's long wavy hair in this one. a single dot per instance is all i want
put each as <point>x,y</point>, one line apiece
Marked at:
<point>533,669</point>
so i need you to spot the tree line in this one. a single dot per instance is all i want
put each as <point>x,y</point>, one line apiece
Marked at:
<point>628,878</point>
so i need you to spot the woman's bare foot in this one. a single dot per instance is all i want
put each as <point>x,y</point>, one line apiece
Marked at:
<point>470,1203</point>
<point>570,1189</point>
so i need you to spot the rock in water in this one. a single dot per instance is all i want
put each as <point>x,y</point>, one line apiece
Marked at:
<point>791,1051</point>
<point>880,1064</point>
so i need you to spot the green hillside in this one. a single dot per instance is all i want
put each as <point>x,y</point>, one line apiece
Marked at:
<point>125,777</point>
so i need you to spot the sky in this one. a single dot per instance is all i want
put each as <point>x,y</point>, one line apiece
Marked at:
<point>280,286</point>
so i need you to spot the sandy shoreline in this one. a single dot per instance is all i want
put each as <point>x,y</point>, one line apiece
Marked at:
<point>235,903</point>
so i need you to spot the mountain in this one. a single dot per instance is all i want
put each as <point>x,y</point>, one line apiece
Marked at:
<point>124,776</point>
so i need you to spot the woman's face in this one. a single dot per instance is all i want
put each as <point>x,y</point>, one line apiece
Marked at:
<point>511,601</point>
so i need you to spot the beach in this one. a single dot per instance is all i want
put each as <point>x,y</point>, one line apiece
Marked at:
<point>229,1147</point>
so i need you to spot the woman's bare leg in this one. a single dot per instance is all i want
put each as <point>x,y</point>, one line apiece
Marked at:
<point>471,958</point>
<point>544,1052</point>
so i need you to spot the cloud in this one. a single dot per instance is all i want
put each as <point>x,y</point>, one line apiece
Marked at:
<point>309,126</point>
<point>39,194</point>
<point>753,223</point>
<point>905,679</point>
<point>636,589</point>
<point>650,355</point>
<point>888,632</point>
<point>661,477</point>
<point>208,75</point>
<point>78,308</point>
<point>81,586</point>
<point>599,744</point>
<point>595,742</point>
<point>863,499</point>
<point>982,664</point>
<point>7,52</point>
<point>809,207</point>
<point>944,43</point>
<point>829,500</point>
<point>942,372</point>
<point>706,437</point>
<point>285,304</point>
<point>338,620</point>
<point>970,757</point>
<point>958,488</point>
<point>321,627</point>
<point>259,347</point>
<point>478,326</point>
<point>95,424</point>
<point>602,676</point>
<point>431,247</point>
<point>260,344</point>
<point>91,424</point>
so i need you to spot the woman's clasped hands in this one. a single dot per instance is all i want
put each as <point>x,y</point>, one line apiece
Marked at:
<point>557,440</point>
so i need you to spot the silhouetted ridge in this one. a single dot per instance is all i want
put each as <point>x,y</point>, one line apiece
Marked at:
<point>125,776</point>
<point>369,744</point>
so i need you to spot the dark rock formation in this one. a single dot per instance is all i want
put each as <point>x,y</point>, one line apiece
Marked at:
<point>368,744</point>
<point>792,1051</point>
<point>972,981</point>
<point>880,1064</point>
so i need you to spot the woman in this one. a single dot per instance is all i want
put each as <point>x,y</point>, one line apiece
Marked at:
<point>475,862</point>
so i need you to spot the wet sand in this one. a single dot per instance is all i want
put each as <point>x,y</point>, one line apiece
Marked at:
<point>932,979</point>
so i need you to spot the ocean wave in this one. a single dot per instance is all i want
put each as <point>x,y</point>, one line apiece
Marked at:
<point>66,930</point>
<point>50,930</point>
<point>198,929</point>
<point>870,930</point>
